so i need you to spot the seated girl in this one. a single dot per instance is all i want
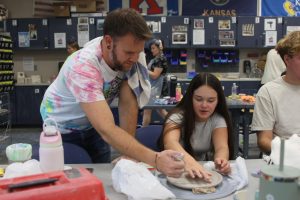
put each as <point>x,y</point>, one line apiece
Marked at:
<point>200,127</point>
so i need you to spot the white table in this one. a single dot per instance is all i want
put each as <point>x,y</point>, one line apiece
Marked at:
<point>103,172</point>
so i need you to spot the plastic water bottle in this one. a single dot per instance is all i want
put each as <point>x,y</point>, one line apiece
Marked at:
<point>178,92</point>
<point>51,149</point>
<point>234,90</point>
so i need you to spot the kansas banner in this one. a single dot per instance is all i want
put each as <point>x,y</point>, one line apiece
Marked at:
<point>280,8</point>
<point>220,7</point>
<point>149,7</point>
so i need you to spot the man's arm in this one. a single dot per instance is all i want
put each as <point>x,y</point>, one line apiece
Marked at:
<point>264,139</point>
<point>101,118</point>
<point>128,109</point>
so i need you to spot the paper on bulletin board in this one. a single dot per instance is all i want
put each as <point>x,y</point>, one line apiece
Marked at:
<point>83,34</point>
<point>292,28</point>
<point>198,36</point>
<point>28,64</point>
<point>59,40</point>
<point>24,39</point>
<point>271,38</point>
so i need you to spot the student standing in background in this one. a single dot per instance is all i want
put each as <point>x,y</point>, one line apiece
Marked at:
<point>72,46</point>
<point>157,70</point>
<point>273,68</point>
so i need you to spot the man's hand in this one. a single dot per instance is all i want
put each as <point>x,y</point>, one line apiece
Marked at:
<point>167,162</point>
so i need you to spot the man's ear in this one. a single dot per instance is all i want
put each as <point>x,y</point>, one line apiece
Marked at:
<point>108,41</point>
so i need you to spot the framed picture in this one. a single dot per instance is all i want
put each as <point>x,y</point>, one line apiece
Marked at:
<point>224,24</point>
<point>154,26</point>
<point>100,23</point>
<point>179,38</point>
<point>226,35</point>
<point>198,23</point>
<point>83,20</point>
<point>179,28</point>
<point>32,31</point>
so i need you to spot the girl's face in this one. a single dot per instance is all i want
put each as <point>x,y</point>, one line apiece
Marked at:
<point>155,50</point>
<point>205,100</point>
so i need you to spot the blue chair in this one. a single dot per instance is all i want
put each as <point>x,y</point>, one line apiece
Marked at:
<point>149,135</point>
<point>73,154</point>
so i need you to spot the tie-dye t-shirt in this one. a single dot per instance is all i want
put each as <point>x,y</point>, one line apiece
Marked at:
<point>84,77</point>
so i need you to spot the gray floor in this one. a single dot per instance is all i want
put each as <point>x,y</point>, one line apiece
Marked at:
<point>31,136</point>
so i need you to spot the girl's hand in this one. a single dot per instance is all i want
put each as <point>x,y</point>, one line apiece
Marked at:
<point>222,165</point>
<point>196,170</point>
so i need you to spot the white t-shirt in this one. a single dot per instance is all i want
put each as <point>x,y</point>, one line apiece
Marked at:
<point>277,108</point>
<point>273,68</point>
<point>201,140</point>
<point>84,77</point>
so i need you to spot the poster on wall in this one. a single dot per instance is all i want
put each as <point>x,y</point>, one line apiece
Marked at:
<point>198,23</point>
<point>154,26</point>
<point>270,24</point>
<point>24,39</point>
<point>32,31</point>
<point>219,8</point>
<point>153,7</point>
<point>59,40</point>
<point>280,8</point>
<point>199,36</point>
<point>271,38</point>
<point>224,24</point>
<point>248,30</point>
<point>179,38</point>
<point>292,28</point>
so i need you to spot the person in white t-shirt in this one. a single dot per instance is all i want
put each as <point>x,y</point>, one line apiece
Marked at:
<point>273,68</point>
<point>277,106</point>
<point>78,100</point>
<point>199,126</point>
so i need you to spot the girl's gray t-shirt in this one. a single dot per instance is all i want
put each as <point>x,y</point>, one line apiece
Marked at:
<point>201,139</point>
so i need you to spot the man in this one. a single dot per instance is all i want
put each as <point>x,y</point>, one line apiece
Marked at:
<point>273,68</point>
<point>88,82</point>
<point>277,106</point>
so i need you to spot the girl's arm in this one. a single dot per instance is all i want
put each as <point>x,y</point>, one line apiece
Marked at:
<point>221,156</point>
<point>171,141</point>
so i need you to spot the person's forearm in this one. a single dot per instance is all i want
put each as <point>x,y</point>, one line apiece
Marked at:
<point>222,153</point>
<point>265,145</point>
<point>128,110</point>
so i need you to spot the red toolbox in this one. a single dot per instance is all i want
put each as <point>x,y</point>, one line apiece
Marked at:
<point>75,184</point>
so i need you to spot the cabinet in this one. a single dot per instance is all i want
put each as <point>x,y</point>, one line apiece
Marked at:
<point>253,32</point>
<point>28,100</point>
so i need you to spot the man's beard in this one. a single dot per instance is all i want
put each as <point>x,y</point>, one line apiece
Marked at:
<point>116,63</point>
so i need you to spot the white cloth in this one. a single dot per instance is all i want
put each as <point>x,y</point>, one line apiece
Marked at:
<point>273,68</point>
<point>239,172</point>
<point>277,108</point>
<point>138,80</point>
<point>137,182</point>
<point>291,151</point>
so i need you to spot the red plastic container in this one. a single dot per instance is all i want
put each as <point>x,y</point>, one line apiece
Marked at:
<point>75,184</point>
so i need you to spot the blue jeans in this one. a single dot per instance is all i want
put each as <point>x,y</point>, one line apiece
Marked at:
<point>92,142</point>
